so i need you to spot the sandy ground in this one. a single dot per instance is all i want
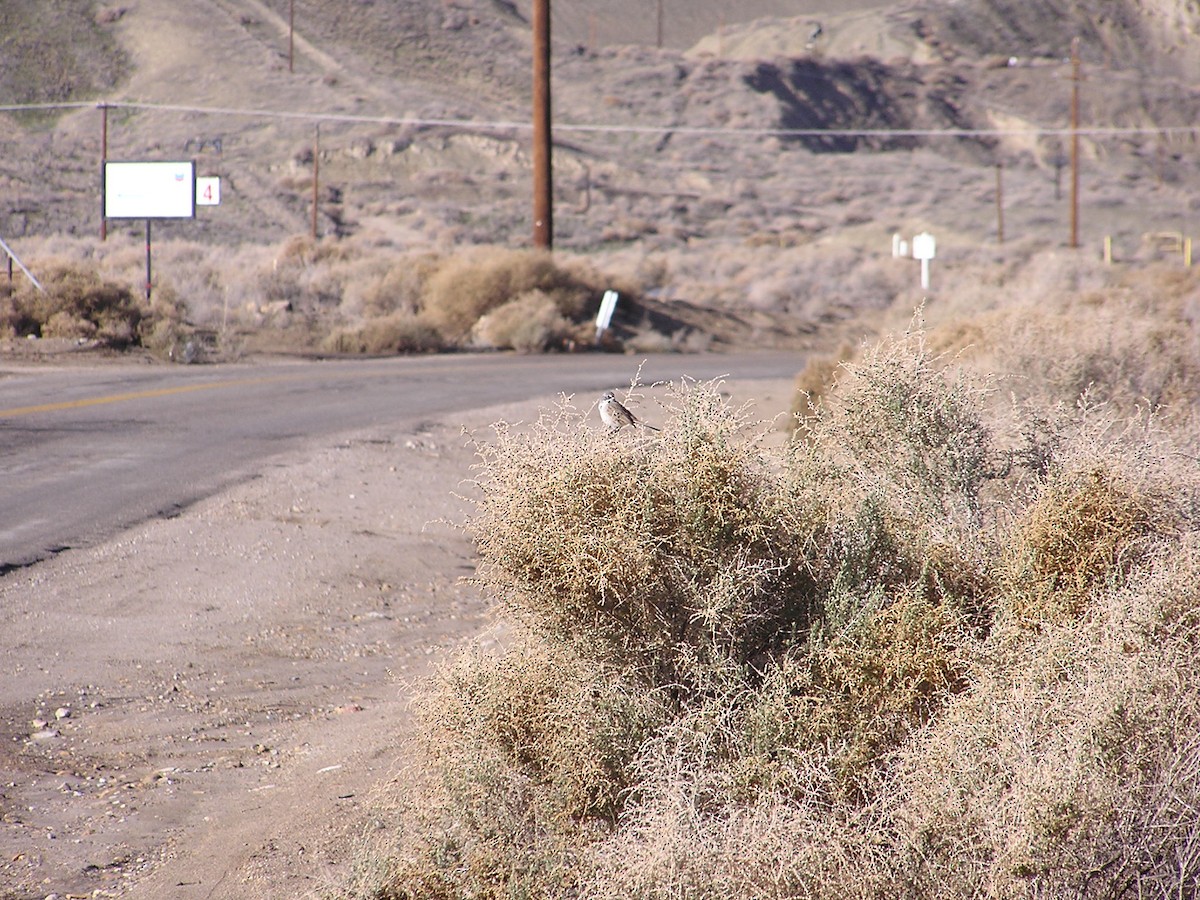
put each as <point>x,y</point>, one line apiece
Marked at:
<point>211,706</point>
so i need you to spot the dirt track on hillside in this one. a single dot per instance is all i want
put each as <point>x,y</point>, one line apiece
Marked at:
<point>267,643</point>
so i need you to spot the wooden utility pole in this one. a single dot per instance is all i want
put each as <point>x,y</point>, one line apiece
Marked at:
<point>1000,203</point>
<point>543,214</point>
<point>1074,143</point>
<point>659,28</point>
<point>316,188</point>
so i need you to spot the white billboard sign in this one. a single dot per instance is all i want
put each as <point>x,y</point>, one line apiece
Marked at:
<point>149,190</point>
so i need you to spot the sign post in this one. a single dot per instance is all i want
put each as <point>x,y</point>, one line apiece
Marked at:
<point>149,190</point>
<point>608,305</point>
<point>924,247</point>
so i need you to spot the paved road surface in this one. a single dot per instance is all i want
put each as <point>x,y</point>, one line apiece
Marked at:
<point>87,452</point>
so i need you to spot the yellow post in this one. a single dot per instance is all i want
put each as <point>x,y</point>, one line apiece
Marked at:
<point>1187,252</point>
<point>1108,249</point>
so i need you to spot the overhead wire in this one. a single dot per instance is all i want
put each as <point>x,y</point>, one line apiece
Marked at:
<point>589,128</point>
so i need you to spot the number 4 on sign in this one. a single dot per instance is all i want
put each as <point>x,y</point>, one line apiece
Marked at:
<point>208,191</point>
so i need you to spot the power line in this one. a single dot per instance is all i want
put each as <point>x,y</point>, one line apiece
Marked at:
<point>584,128</point>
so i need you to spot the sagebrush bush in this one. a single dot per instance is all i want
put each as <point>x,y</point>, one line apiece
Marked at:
<point>1067,770</point>
<point>899,658</point>
<point>762,644</point>
<point>529,323</point>
<point>78,303</point>
<point>813,381</point>
<point>673,552</point>
<point>474,283</point>
<point>400,332</point>
<point>353,295</point>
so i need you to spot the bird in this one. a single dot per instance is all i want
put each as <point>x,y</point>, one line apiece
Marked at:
<point>615,416</point>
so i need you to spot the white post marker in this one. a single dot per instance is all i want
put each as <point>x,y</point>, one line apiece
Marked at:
<point>604,318</point>
<point>924,247</point>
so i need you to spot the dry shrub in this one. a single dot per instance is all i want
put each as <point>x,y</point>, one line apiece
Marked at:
<point>301,250</point>
<point>532,749</point>
<point>1072,768</point>
<point>885,673</point>
<point>746,674</point>
<point>397,288</point>
<point>816,378</point>
<point>759,644</point>
<point>1085,529</point>
<point>467,286</point>
<point>304,295</point>
<point>400,332</point>
<point>529,323</point>
<point>672,552</point>
<point>78,303</point>
<point>1052,328</point>
<point>904,451</point>
<point>565,724</point>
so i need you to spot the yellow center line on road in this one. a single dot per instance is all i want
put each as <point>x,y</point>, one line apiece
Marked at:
<point>133,395</point>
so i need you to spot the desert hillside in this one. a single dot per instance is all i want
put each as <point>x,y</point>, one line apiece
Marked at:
<point>761,141</point>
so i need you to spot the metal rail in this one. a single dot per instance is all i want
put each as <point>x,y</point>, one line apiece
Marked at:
<point>12,258</point>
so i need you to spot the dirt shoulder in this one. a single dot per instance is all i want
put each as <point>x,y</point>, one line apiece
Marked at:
<point>207,705</point>
<point>201,707</point>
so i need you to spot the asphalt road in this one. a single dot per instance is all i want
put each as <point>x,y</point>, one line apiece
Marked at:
<point>87,452</point>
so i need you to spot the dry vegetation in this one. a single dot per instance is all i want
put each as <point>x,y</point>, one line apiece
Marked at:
<point>942,644</point>
<point>75,303</point>
<point>309,296</point>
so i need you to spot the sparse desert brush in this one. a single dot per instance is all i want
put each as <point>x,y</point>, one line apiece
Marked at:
<point>1105,349</point>
<point>1106,496</point>
<point>559,723</point>
<point>1049,329</point>
<point>396,286</point>
<point>814,380</point>
<point>531,749</point>
<point>670,552</point>
<point>1072,767</point>
<point>909,428</point>
<point>766,637</point>
<point>1084,529</point>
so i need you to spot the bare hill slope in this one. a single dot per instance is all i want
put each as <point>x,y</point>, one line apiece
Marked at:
<point>676,164</point>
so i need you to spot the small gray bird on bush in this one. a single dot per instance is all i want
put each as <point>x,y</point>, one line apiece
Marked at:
<point>616,416</point>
